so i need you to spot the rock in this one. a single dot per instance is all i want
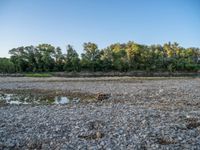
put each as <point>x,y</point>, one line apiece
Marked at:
<point>98,135</point>
<point>102,96</point>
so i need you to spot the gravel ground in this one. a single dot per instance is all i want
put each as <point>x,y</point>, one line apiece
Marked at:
<point>161,113</point>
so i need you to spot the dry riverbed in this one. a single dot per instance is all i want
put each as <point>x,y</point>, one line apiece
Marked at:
<point>140,113</point>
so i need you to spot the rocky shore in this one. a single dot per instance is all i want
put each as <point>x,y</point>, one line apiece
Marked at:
<point>152,113</point>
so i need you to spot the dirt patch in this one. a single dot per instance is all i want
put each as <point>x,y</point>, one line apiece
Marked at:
<point>192,123</point>
<point>165,141</point>
<point>93,136</point>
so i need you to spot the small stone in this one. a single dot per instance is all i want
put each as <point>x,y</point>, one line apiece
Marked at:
<point>98,135</point>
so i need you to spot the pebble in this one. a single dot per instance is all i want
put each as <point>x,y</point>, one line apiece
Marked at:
<point>122,122</point>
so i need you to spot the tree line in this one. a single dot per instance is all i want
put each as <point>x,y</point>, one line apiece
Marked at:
<point>124,57</point>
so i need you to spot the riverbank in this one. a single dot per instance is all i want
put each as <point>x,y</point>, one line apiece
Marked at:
<point>105,74</point>
<point>157,113</point>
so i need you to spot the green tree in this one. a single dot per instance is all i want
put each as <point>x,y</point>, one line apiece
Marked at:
<point>107,59</point>
<point>59,60</point>
<point>18,58</point>
<point>6,66</point>
<point>45,54</point>
<point>133,51</point>
<point>72,60</point>
<point>120,61</point>
<point>30,56</point>
<point>91,58</point>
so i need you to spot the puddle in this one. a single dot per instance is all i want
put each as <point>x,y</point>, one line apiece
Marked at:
<point>36,99</point>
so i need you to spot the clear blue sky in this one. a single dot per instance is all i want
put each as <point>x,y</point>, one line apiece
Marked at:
<point>62,22</point>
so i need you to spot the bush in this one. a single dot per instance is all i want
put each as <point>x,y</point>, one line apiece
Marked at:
<point>192,67</point>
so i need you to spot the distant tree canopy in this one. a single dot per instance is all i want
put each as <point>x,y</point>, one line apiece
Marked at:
<point>6,66</point>
<point>116,57</point>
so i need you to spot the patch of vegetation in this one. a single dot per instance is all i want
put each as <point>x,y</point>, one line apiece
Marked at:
<point>40,75</point>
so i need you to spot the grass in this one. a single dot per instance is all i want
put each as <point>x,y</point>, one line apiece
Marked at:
<point>40,75</point>
<point>110,78</point>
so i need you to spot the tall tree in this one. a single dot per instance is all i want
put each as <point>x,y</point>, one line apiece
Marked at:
<point>19,59</point>
<point>120,61</point>
<point>6,66</point>
<point>91,57</point>
<point>107,59</point>
<point>46,53</point>
<point>134,52</point>
<point>72,60</point>
<point>59,60</point>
